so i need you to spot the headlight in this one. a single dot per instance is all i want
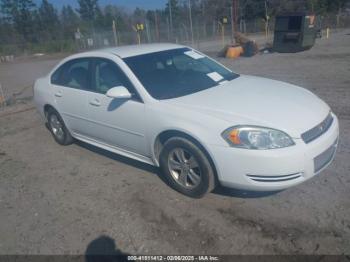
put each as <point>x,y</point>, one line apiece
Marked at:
<point>254,137</point>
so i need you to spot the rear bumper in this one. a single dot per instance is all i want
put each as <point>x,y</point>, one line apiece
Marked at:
<point>270,170</point>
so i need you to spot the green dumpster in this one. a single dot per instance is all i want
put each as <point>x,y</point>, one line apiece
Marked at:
<point>294,32</point>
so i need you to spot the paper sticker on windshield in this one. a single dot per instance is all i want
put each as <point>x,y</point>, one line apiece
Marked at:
<point>215,76</point>
<point>193,54</point>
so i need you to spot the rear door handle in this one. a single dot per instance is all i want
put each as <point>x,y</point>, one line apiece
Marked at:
<point>95,102</point>
<point>58,94</point>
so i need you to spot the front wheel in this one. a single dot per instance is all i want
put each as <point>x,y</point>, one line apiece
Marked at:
<point>186,168</point>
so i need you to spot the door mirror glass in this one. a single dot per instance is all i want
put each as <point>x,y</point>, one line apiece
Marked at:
<point>118,92</point>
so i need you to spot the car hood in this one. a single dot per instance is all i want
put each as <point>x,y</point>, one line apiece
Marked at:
<point>250,100</point>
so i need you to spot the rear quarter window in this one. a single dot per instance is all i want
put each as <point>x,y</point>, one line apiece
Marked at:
<point>74,74</point>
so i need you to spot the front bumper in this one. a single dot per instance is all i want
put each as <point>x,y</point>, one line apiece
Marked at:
<point>277,169</point>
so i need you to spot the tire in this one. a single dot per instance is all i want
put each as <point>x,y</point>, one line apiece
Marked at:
<point>58,129</point>
<point>194,164</point>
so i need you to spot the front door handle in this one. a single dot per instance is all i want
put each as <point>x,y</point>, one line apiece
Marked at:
<point>58,94</point>
<point>95,102</point>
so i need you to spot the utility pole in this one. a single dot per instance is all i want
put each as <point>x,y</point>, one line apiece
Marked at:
<point>312,6</point>
<point>170,19</point>
<point>204,20</point>
<point>191,25</point>
<point>156,24</point>
<point>168,27</point>
<point>234,15</point>
<point>232,26</point>
<point>266,21</point>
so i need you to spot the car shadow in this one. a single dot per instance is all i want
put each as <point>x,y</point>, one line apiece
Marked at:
<point>125,160</point>
<point>104,249</point>
<point>231,192</point>
<point>220,190</point>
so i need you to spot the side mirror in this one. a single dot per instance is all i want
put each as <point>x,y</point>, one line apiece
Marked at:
<point>118,92</point>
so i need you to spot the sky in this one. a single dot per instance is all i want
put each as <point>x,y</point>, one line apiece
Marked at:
<point>129,4</point>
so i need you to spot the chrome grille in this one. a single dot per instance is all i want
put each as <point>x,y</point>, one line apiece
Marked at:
<point>318,130</point>
<point>274,178</point>
<point>325,158</point>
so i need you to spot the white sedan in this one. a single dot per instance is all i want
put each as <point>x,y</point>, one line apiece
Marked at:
<point>173,107</point>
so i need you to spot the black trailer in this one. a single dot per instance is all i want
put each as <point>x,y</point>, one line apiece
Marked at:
<point>294,32</point>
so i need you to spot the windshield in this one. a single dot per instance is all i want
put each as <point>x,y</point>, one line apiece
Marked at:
<point>178,72</point>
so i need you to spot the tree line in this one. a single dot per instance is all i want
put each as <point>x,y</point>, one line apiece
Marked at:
<point>23,21</point>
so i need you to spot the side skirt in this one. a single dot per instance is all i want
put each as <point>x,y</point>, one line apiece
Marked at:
<point>114,149</point>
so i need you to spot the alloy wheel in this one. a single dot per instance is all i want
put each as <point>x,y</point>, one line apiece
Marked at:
<point>56,127</point>
<point>184,168</point>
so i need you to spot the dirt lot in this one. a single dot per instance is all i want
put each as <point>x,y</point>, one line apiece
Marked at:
<point>57,200</point>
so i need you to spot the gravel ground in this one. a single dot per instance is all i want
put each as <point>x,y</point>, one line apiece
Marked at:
<point>63,200</point>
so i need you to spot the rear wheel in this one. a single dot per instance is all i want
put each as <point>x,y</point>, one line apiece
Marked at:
<point>58,128</point>
<point>186,168</point>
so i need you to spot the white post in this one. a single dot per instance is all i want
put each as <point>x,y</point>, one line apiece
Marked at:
<point>2,97</point>
<point>114,28</point>
<point>148,33</point>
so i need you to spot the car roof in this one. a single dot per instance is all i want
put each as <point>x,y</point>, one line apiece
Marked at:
<point>135,50</point>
